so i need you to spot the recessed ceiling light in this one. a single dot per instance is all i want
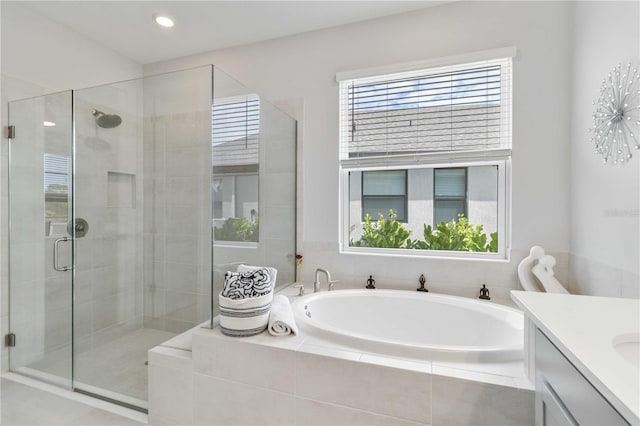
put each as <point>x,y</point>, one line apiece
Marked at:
<point>163,20</point>
<point>48,123</point>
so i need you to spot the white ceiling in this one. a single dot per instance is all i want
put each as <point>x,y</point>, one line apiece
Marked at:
<point>127,26</point>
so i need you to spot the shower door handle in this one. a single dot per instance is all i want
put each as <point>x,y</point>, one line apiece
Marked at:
<point>55,255</point>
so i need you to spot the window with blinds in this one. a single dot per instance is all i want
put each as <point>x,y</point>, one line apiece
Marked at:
<point>236,157</point>
<point>56,188</point>
<point>447,132</point>
<point>449,194</point>
<point>56,174</point>
<point>445,110</point>
<point>382,191</point>
<point>236,131</point>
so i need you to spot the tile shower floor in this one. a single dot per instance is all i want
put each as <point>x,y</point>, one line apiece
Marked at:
<point>117,366</point>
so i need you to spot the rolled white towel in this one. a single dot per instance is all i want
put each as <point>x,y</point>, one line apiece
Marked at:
<point>281,320</point>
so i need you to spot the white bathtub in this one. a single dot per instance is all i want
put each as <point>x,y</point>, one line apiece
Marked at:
<point>413,324</point>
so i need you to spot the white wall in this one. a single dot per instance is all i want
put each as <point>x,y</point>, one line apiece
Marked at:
<point>300,70</point>
<point>605,217</point>
<point>39,56</point>
<point>40,51</point>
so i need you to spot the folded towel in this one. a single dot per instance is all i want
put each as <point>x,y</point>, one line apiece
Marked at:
<point>244,317</point>
<point>244,285</point>
<point>272,272</point>
<point>281,320</point>
<point>245,300</point>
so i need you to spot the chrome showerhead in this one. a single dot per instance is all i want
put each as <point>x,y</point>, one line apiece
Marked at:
<point>106,121</point>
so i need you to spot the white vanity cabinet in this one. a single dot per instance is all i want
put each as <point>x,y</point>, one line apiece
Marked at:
<point>571,354</point>
<point>563,395</point>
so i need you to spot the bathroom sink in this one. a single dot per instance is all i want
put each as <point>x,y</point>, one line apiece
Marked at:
<point>628,347</point>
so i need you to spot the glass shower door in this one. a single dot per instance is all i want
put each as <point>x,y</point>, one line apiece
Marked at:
<point>109,343</point>
<point>40,248</point>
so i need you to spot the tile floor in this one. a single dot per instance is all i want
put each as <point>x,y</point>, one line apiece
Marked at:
<point>117,366</point>
<point>25,405</point>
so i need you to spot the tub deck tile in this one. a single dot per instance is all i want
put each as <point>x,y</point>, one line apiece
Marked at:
<point>385,390</point>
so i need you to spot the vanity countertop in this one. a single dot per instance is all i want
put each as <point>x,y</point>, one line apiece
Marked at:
<point>585,329</point>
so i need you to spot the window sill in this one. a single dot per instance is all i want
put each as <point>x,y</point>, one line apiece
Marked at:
<point>429,254</point>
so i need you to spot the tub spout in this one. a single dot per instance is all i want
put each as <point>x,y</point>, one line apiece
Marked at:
<point>316,283</point>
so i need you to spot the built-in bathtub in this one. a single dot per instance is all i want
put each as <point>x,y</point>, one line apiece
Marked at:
<point>404,323</point>
<point>338,373</point>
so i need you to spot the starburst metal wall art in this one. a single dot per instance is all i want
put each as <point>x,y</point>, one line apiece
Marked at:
<point>617,116</point>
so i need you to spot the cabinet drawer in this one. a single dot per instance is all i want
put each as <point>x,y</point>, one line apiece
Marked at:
<point>584,403</point>
<point>550,411</point>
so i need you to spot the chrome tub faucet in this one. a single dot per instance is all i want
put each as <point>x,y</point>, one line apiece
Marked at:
<point>316,283</point>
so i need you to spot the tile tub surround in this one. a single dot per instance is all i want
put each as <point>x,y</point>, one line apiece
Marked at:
<point>304,380</point>
<point>594,278</point>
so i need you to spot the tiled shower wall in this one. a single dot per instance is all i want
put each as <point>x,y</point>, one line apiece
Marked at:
<point>108,193</point>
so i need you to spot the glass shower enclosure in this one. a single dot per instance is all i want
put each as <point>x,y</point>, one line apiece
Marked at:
<point>127,203</point>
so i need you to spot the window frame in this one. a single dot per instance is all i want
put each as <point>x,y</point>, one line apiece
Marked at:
<point>500,157</point>
<point>404,197</point>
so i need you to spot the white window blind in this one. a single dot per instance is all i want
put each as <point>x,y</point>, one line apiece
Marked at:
<point>236,131</point>
<point>387,182</point>
<point>56,173</point>
<point>453,110</point>
<point>450,183</point>
<point>382,191</point>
